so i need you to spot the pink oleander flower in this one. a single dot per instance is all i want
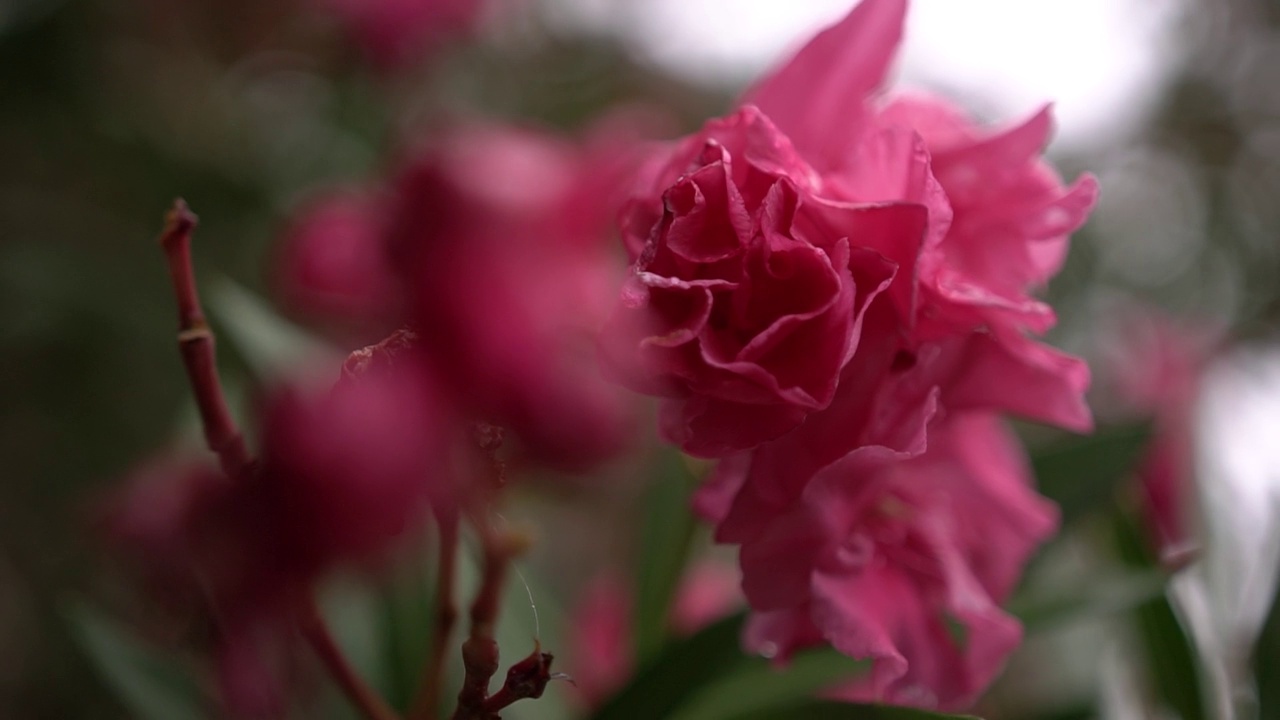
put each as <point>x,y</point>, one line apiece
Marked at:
<point>602,654</point>
<point>330,262</point>
<point>393,33</point>
<point>902,561</point>
<point>343,475</point>
<point>760,243</point>
<point>1156,364</point>
<point>832,293</point>
<point>498,240</point>
<point>489,243</point>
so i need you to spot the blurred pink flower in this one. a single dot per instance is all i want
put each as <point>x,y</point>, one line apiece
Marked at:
<point>330,261</point>
<point>1155,363</point>
<point>602,654</point>
<point>832,292</point>
<point>904,562</point>
<point>498,238</point>
<point>600,648</point>
<point>349,471</point>
<point>342,475</point>
<point>394,33</point>
<point>490,243</point>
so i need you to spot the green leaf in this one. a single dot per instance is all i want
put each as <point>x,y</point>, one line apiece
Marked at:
<point>1091,600</point>
<point>1266,665</point>
<point>1081,475</point>
<point>1170,654</point>
<point>707,677</point>
<point>147,681</point>
<point>756,685</point>
<point>269,343</point>
<point>352,610</point>
<point>664,549</point>
<point>408,628</point>
<point>830,710</point>
<point>676,673</point>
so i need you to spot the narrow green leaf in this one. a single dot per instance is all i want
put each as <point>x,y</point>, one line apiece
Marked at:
<point>1266,665</point>
<point>664,549</point>
<point>1081,475</point>
<point>1170,654</point>
<point>756,685</point>
<point>352,610</point>
<point>676,673</point>
<point>830,710</point>
<point>1090,601</point>
<point>148,682</point>
<point>407,618</point>
<point>269,343</point>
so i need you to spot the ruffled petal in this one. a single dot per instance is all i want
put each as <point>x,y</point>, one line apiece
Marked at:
<point>818,98</point>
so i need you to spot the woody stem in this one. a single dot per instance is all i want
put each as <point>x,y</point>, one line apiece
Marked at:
<point>480,650</point>
<point>196,343</point>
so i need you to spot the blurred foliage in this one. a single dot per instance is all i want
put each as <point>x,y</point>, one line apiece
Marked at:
<point>110,108</point>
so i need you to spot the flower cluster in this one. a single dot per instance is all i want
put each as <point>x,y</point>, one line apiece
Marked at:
<point>486,250</point>
<point>830,293</point>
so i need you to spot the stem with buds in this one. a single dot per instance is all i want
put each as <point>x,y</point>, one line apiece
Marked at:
<point>526,679</point>
<point>196,342</point>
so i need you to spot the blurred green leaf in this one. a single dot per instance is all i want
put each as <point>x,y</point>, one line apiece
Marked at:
<point>1091,600</point>
<point>831,710</point>
<point>708,677</point>
<point>147,681</point>
<point>679,671</point>
<point>756,685</point>
<point>407,618</point>
<point>1266,665</point>
<point>1081,475</point>
<point>352,610</point>
<point>269,343</point>
<point>664,549</point>
<point>1170,654</point>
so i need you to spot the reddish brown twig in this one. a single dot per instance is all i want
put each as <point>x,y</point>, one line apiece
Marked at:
<point>368,702</point>
<point>196,342</point>
<point>526,679</point>
<point>428,700</point>
<point>480,650</point>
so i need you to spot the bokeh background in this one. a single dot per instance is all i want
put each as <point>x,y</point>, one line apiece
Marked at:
<point>111,108</point>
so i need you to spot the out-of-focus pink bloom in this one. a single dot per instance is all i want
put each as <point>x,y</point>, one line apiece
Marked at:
<point>1155,365</point>
<point>760,242</point>
<point>393,33</point>
<point>832,292</point>
<point>342,475</point>
<point>904,563</point>
<point>349,471</point>
<point>331,261</point>
<point>498,239</point>
<point>602,651</point>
